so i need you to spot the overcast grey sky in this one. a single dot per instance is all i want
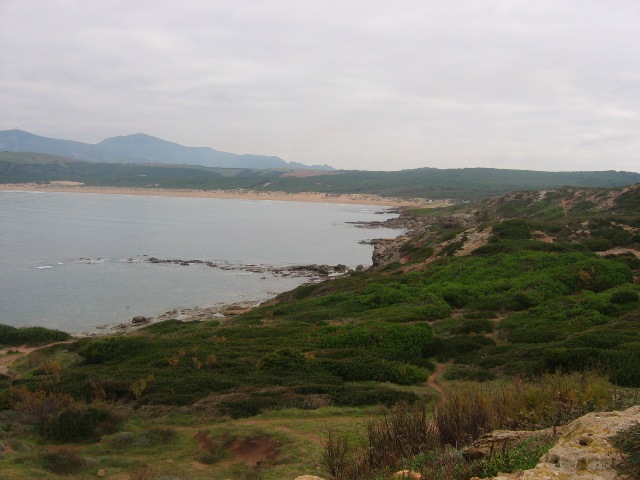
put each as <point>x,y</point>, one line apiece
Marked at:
<point>376,85</point>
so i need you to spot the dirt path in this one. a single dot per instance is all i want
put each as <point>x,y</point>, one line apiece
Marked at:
<point>10,355</point>
<point>432,381</point>
<point>620,251</point>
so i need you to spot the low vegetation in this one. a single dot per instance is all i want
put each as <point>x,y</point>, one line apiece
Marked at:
<point>530,328</point>
<point>459,184</point>
<point>628,441</point>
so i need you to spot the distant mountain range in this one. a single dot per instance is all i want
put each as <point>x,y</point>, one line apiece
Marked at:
<point>140,148</point>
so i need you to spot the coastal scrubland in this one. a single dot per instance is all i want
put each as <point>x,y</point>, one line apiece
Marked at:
<point>516,312</point>
<point>462,184</point>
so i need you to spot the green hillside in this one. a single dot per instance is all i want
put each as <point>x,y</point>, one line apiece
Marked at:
<point>523,310</point>
<point>458,184</point>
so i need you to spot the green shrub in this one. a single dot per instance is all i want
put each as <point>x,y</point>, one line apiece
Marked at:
<point>623,295</point>
<point>468,373</point>
<point>452,248</point>
<point>359,369</point>
<point>628,442</point>
<point>107,349</point>
<point>173,326</point>
<point>358,395</point>
<point>390,341</point>
<point>12,336</point>
<point>523,456</point>
<point>285,360</point>
<point>79,424</point>
<point>512,230</point>
<point>454,346</point>
<point>62,462</point>
<point>467,326</point>
<point>597,244</point>
<point>624,366</point>
<point>573,359</point>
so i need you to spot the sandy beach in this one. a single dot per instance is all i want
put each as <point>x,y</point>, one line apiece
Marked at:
<point>238,194</point>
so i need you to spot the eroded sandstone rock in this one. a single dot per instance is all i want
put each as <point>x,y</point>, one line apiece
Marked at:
<point>584,450</point>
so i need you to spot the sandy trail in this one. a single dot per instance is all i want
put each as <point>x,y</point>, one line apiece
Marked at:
<point>432,381</point>
<point>10,355</point>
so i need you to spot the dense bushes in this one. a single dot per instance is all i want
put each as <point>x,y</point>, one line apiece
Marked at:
<point>12,336</point>
<point>370,368</point>
<point>389,341</point>
<point>512,230</point>
<point>108,349</point>
<point>357,395</point>
<point>468,373</point>
<point>79,424</point>
<point>62,462</point>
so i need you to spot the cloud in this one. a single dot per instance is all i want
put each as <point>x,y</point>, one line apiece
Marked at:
<point>359,84</point>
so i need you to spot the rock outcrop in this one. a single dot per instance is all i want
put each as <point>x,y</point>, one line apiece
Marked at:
<point>584,450</point>
<point>387,251</point>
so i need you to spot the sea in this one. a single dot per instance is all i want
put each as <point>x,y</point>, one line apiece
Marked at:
<point>78,261</point>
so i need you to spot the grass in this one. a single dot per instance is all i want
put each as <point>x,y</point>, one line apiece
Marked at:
<point>523,456</point>
<point>628,442</point>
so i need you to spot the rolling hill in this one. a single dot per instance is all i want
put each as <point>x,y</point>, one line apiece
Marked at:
<point>139,148</point>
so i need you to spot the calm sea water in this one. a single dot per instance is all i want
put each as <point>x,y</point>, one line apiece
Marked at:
<point>75,261</point>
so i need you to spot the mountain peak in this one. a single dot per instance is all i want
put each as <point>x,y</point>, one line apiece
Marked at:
<point>137,148</point>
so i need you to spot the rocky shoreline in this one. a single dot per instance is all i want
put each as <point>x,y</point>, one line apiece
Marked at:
<point>313,273</point>
<point>198,314</point>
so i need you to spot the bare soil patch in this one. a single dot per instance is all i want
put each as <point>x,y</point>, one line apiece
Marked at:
<point>203,440</point>
<point>620,251</point>
<point>254,451</point>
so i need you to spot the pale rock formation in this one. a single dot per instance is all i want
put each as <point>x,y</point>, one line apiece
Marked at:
<point>584,450</point>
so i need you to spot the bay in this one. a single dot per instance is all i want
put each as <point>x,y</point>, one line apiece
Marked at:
<point>74,261</point>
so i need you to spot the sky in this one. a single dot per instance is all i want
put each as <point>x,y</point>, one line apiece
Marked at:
<point>358,84</point>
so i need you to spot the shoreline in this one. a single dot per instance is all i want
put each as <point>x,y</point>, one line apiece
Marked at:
<point>221,313</point>
<point>235,194</point>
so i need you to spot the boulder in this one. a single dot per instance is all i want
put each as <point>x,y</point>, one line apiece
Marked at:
<point>139,319</point>
<point>584,450</point>
<point>408,474</point>
<point>309,477</point>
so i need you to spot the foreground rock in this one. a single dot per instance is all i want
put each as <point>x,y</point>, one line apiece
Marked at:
<point>584,450</point>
